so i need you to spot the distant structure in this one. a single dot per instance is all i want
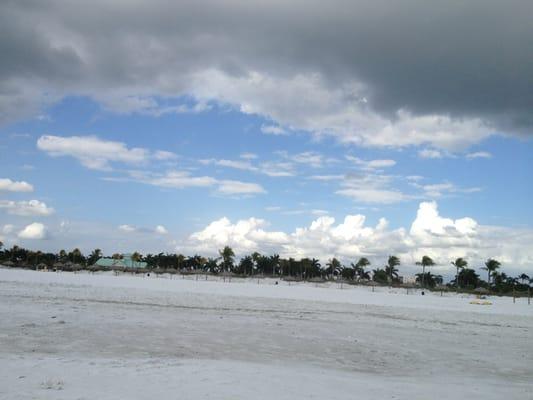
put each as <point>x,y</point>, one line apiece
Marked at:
<point>125,262</point>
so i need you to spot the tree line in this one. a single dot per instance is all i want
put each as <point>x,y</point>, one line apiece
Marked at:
<point>255,264</point>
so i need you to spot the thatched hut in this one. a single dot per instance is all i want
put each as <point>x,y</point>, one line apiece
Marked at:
<point>480,291</point>
<point>41,267</point>
<point>58,266</point>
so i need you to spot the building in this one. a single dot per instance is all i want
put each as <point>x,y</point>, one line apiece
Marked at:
<point>125,262</point>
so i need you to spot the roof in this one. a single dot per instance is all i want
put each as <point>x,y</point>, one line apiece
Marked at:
<point>125,262</point>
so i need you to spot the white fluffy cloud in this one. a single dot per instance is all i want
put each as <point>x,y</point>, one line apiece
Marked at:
<point>246,236</point>
<point>35,230</point>
<point>95,153</point>
<point>430,234</point>
<point>15,186</point>
<point>26,208</point>
<point>92,152</point>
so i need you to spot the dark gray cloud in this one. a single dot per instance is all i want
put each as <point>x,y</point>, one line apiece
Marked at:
<point>453,58</point>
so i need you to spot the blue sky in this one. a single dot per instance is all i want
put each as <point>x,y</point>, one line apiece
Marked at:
<point>237,140</point>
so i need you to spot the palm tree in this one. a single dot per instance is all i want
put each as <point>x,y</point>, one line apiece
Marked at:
<point>524,278</point>
<point>468,278</point>
<point>136,257</point>
<point>180,261</point>
<point>425,262</point>
<point>491,266</point>
<point>255,257</point>
<point>380,275</point>
<point>94,256</point>
<point>211,266</point>
<point>459,263</point>
<point>76,255</point>
<point>315,267</point>
<point>274,261</point>
<point>429,279</point>
<point>227,255</point>
<point>335,266</point>
<point>359,268</point>
<point>246,265</point>
<point>391,269</point>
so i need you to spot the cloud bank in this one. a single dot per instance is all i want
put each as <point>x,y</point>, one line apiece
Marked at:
<point>373,73</point>
<point>443,239</point>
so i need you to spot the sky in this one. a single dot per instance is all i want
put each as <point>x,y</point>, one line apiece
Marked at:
<point>351,129</point>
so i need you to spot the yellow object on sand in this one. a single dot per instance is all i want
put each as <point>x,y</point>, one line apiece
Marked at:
<point>481,302</point>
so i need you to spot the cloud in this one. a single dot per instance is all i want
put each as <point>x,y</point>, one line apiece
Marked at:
<point>269,168</point>
<point>176,180</point>
<point>336,114</point>
<point>430,229</point>
<point>35,230</point>
<point>440,189</point>
<point>371,187</point>
<point>164,155</point>
<point>239,188</point>
<point>277,169</point>
<point>183,179</point>
<point>15,186</point>
<point>127,228</point>
<point>273,130</point>
<point>479,154</point>
<point>92,152</point>
<point>372,164</point>
<point>310,158</point>
<point>245,236</point>
<point>430,153</point>
<point>429,234</point>
<point>381,78</point>
<point>159,229</point>
<point>379,196</point>
<point>8,229</point>
<point>237,164</point>
<point>26,208</point>
<point>327,178</point>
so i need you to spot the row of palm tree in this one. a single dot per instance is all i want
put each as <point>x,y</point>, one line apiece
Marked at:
<point>274,265</point>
